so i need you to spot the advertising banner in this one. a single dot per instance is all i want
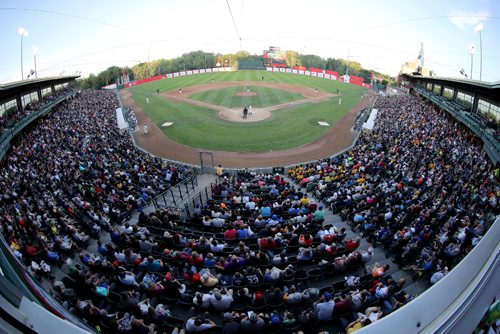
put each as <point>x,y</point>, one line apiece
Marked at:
<point>332,75</point>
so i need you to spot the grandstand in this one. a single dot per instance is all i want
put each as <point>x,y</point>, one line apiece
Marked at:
<point>114,240</point>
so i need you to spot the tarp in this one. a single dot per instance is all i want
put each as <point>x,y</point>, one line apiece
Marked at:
<point>120,120</point>
<point>370,122</point>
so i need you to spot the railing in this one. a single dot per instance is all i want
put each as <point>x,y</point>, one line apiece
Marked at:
<point>22,291</point>
<point>459,112</point>
<point>170,197</point>
<point>458,301</point>
<point>200,198</point>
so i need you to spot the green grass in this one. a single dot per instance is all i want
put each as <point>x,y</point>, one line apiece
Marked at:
<point>286,128</point>
<point>265,97</point>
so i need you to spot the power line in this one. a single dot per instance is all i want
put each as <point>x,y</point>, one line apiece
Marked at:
<point>234,23</point>
<point>44,11</point>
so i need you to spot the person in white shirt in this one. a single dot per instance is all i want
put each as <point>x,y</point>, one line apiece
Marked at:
<point>221,301</point>
<point>202,300</point>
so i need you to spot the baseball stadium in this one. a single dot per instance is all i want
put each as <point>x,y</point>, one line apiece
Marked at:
<point>225,191</point>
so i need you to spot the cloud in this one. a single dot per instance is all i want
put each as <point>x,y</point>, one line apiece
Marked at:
<point>467,20</point>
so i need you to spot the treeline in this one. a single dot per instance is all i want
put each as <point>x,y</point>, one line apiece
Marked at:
<point>200,59</point>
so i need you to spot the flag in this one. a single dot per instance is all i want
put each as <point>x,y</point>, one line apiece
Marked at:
<point>478,28</point>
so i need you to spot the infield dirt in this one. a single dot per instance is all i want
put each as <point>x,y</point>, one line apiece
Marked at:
<point>336,139</point>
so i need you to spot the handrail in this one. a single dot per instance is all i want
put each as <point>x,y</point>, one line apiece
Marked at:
<point>447,306</point>
<point>491,144</point>
<point>22,285</point>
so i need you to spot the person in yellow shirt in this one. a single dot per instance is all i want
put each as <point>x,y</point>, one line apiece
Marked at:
<point>304,200</point>
<point>357,325</point>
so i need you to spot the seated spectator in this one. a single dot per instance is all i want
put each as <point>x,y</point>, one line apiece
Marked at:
<point>231,323</point>
<point>305,254</point>
<point>379,272</point>
<point>198,324</point>
<point>208,279</point>
<point>305,240</point>
<point>231,233</point>
<point>221,300</point>
<point>324,307</point>
<point>252,324</point>
<point>127,278</point>
<point>151,265</point>
<point>202,300</point>
<point>351,244</point>
<point>192,277</point>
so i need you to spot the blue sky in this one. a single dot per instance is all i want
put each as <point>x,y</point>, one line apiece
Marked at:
<point>89,36</point>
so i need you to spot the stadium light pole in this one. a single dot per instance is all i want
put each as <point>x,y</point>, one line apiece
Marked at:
<point>23,33</point>
<point>35,53</point>
<point>478,29</point>
<point>471,51</point>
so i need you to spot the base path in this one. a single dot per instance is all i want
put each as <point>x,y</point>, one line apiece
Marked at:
<point>336,139</point>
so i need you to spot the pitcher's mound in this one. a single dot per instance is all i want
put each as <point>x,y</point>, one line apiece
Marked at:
<point>246,94</point>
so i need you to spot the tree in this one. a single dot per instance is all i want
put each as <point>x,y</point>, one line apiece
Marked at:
<point>312,61</point>
<point>292,58</point>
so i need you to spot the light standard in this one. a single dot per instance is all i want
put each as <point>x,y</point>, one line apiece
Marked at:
<point>471,51</point>
<point>35,53</point>
<point>478,29</point>
<point>23,33</point>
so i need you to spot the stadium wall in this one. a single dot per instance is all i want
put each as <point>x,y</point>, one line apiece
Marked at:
<point>313,72</point>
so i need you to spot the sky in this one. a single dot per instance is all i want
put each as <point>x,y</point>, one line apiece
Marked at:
<point>89,36</point>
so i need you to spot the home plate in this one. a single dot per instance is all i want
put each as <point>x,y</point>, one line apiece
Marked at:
<point>323,124</point>
<point>167,124</point>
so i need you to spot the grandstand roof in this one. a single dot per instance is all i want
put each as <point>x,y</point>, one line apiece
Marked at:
<point>491,89</point>
<point>7,91</point>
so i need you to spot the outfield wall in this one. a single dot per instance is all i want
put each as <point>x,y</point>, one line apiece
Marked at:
<point>319,73</point>
<point>178,74</point>
<point>313,72</point>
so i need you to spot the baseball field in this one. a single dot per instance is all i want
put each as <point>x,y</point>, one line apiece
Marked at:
<point>205,111</point>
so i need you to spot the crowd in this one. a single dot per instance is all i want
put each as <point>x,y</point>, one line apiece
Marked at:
<point>9,119</point>
<point>72,175</point>
<point>257,257</point>
<point>163,261</point>
<point>419,184</point>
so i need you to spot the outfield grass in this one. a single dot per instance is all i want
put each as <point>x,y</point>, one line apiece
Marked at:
<point>265,97</point>
<point>200,127</point>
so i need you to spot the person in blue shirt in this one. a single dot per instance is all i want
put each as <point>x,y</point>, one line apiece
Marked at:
<point>209,261</point>
<point>151,265</point>
<point>243,232</point>
<point>265,211</point>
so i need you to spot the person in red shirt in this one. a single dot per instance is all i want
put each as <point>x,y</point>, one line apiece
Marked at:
<point>267,243</point>
<point>231,233</point>
<point>196,259</point>
<point>351,245</point>
<point>193,277</point>
<point>305,240</point>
